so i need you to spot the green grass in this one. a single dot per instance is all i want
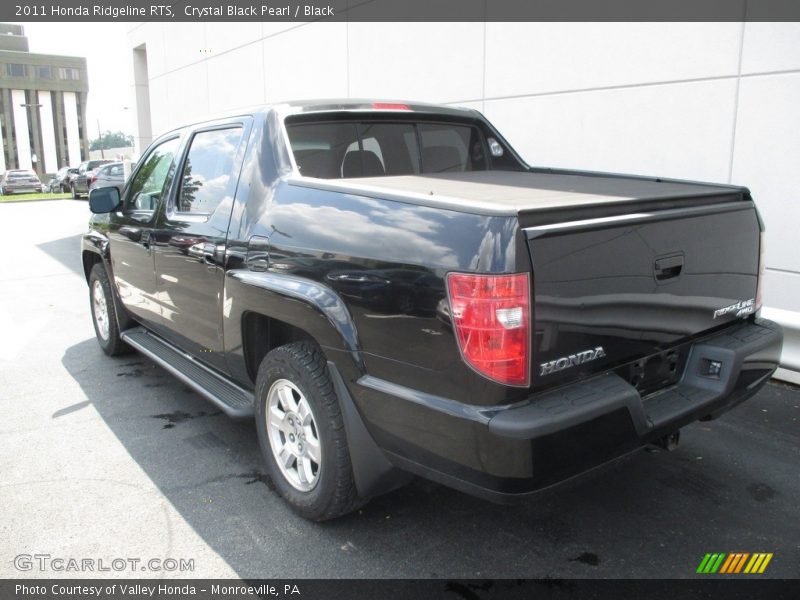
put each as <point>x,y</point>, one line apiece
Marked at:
<point>29,197</point>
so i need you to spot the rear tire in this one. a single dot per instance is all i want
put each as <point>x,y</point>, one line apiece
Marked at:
<point>104,314</point>
<point>301,433</point>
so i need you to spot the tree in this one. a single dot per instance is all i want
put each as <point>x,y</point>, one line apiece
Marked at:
<point>111,139</point>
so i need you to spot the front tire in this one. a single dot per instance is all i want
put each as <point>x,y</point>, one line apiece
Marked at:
<point>301,433</point>
<point>104,314</point>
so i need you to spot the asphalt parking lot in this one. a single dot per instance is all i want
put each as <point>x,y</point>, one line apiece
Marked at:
<point>104,458</point>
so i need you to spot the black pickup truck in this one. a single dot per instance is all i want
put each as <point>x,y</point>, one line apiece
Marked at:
<point>392,291</point>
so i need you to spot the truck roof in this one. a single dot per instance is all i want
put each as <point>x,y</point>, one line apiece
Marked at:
<point>291,107</point>
<point>364,104</point>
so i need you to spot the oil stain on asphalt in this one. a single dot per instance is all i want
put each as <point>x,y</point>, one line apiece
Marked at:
<point>180,416</point>
<point>587,558</point>
<point>761,492</point>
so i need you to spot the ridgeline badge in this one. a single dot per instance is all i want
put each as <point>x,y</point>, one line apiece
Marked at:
<point>742,308</point>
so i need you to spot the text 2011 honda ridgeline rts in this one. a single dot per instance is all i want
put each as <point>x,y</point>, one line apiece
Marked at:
<point>391,290</point>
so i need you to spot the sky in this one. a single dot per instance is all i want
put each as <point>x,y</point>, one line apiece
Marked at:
<point>109,64</point>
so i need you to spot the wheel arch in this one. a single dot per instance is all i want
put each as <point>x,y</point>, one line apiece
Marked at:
<point>95,251</point>
<point>89,260</point>
<point>266,310</point>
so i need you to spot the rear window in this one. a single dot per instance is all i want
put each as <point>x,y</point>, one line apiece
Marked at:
<point>345,149</point>
<point>21,174</point>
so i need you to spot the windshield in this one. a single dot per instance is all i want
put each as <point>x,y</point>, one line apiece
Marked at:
<point>344,149</point>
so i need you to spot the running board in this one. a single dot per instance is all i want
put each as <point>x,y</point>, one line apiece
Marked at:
<point>233,400</point>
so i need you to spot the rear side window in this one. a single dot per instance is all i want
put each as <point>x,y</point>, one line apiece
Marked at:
<point>450,148</point>
<point>318,147</point>
<point>373,149</point>
<point>207,170</point>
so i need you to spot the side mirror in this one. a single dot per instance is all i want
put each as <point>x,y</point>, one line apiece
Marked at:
<point>103,200</point>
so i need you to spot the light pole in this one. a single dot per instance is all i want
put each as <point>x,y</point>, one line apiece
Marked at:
<point>34,158</point>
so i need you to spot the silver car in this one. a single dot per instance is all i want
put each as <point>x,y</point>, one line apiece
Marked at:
<point>20,181</point>
<point>110,175</point>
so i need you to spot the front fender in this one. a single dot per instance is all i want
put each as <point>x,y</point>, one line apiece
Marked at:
<point>94,244</point>
<point>95,248</point>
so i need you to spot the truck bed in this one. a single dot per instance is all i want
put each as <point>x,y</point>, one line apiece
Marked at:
<point>516,192</point>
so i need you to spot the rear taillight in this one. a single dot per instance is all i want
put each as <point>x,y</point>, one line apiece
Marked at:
<point>760,283</point>
<point>491,318</point>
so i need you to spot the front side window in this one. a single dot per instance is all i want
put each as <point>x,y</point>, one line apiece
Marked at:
<point>151,180</point>
<point>207,170</point>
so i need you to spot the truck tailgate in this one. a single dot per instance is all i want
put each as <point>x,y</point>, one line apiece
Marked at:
<point>610,290</point>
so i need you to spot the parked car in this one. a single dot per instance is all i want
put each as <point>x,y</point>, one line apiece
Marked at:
<point>60,182</point>
<point>112,174</point>
<point>17,181</point>
<point>79,185</point>
<point>390,290</point>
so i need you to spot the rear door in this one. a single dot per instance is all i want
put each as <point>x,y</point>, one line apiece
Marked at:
<point>637,284</point>
<point>191,239</point>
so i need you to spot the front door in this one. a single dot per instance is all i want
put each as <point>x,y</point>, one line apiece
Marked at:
<point>130,232</point>
<point>190,241</point>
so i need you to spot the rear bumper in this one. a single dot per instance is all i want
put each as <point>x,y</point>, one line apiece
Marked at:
<point>22,189</point>
<point>569,430</point>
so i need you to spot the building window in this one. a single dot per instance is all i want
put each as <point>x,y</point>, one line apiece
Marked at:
<point>6,143</point>
<point>16,70</point>
<point>44,72</point>
<point>79,110</point>
<point>68,73</point>
<point>54,116</point>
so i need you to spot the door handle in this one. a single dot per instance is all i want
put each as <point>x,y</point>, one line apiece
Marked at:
<point>668,267</point>
<point>206,252</point>
<point>134,234</point>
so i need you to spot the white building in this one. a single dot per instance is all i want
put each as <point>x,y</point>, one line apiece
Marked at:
<point>42,106</point>
<point>706,101</point>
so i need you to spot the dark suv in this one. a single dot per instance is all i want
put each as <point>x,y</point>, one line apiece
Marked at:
<point>61,180</point>
<point>80,184</point>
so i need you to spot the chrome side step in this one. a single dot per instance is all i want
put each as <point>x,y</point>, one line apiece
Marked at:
<point>233,400</point>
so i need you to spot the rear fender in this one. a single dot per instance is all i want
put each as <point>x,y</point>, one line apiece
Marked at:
<point>303,303</point>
